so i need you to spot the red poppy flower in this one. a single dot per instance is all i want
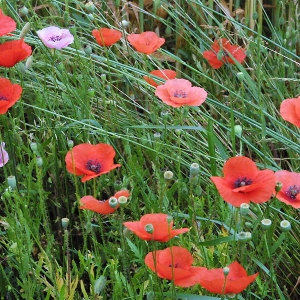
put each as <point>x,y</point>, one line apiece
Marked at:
<point>146,42</point>
<point>101,207</point>
<point>290,110</point>
<point>174,263</point>
<point>90,160</point>
<point>12,52</point>
<point>243,182</point>
<point>9,94</point>
<point>290,190</point>
<point>159,224</point>
<point>179,92</point>
<point>106,36</point>
<point>164,74</point>
<point>236,281</point>
<point>7,24</point>
<point>222,52</point>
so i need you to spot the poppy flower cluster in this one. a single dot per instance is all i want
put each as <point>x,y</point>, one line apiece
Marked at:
<point>222,52</point>
<point>146,42</point>
<point>11,52</point>
<point>175,263</point>
<point>244,182</point>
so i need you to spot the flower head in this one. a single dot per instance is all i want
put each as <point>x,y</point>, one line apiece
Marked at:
<point>3,155</point>
<point>12,52</point>
<point>7,24</point>
<point>162,228</point>
<point>234,282</point>
<point>243,182</point>
<point>146,42</point>
<point>222,52</point>
<point>9,94</point>
<point>90,160</point>
<point>179,92</point>
<point>101,207</point>
<point>290,191</point>
<point>290,110</point>
<point>174,263</point>
<point>106,36</point>
<point>164,74</point>
<point>55,37</point>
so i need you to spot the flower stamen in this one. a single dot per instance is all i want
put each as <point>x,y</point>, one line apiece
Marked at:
<point>243,181</point>
<point>180,94</point>
<point>293,191</point>
<point>55,38</point>
<point>94,166</point>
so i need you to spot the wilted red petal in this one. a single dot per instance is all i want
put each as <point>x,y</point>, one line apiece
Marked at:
<point>146,42</point>
<point>290,190</point>
<point>9,94</point>
<point>12,52</point>
<point>101,207</point>
<point>162,228</point>
<point>237,280</point>
<point>179,92</point>
<point>290,110</point>
<point>164,74</point>
<point>106,36</point>
<point>243,182</point>
<point>7,24</point>
<point>90,160</point>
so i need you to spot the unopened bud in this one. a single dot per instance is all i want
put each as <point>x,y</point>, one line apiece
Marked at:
<point>91,92</point>
<point>29,62</point>
<point>90,7</point>
<point>194,169</point>
<point>240,76</point>
<point>70,144</point>
<point>278,187</point>
<point>88,49</point>
<point>39,161</point>
<point>99,284</point>
<point>226,271</point>
<point>25,30</point>
<point>23,11</point>
<point>244,236</point>
<point>238,130</point>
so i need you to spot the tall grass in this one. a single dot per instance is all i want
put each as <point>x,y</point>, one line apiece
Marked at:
<point>101,96</point>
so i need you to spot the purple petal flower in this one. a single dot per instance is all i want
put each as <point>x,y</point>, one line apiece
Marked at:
<point>3,155</point>
<point>54,37</point>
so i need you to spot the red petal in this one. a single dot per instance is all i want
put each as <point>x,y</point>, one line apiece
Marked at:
<point>101,207</point>
<point>7,24</point>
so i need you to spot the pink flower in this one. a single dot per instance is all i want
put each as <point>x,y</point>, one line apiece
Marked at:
<point>54,37</point>
<point>3,155</point>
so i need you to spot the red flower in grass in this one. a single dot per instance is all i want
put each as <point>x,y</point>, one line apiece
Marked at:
<point>9,94</point>
<point>7,24</point>
<point>155,227</point>
<point>174,263</point>
<point>236,281</point>
<point>106,36</point>
<point>101,207</point>
<point>290,110</point>
<point>243,182</point>
<point>180,92</point>
<point>90,160</point>
<point>164,74</point>
<point>12,52</point>
<point>146,42</point>
<point>222,52</point>
<point>290,190</point>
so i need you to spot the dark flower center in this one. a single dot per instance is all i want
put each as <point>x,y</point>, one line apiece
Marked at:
<point>180,94</point>
<point>55,38</point>
<point>3,98</point>
<point>174,265</point>
<point>243,181</point>
<point>94,166</point>
<point>293,191</point>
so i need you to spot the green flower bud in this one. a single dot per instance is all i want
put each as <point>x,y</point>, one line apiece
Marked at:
<point>278,187</point>
<point>194,169</point>
<point>238,130</point>
<point>99,284</point>
<point>25,30</point>
<point>23,11</point>
<point>226,271</point>
<point>39,161</point>
<point>90,7</point>
<point>29,62</point>
<point>12,182</point>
